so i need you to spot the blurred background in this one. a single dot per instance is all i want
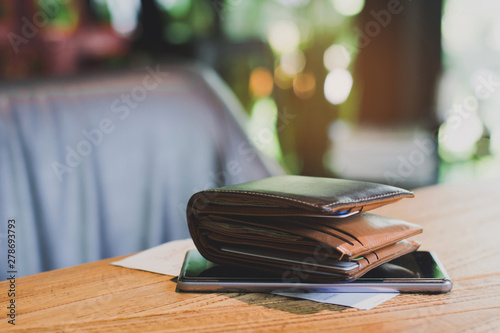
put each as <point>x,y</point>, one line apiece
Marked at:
<point>398,92</point>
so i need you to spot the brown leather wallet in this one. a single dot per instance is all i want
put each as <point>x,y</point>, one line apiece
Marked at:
<point>305,228</point>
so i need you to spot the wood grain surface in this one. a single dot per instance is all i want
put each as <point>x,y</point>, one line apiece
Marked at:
<point>461,225</point>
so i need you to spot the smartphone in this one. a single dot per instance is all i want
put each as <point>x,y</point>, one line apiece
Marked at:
<point>416,272</point>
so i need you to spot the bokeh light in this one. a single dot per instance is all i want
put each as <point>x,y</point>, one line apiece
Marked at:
<point>348,7</point>
<point>124,15</point>
<point>304,85</point>
<point>294,62</point>
<point>458,137</point>
<point>176,8</point>
<point>336,56</point>
<point>284,36</point>
<point>493,37</point>
<point>178,32</point>
<point>338,84</point>
<point>262,127</point>
<point>261,82</point>
<point>457,36</point>
<point>293,3</point>
<point>339,131</point>
<point>282,79</point>
<point>167,4</point>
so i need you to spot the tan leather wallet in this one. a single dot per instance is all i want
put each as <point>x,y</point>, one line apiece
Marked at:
<point>304,228</point>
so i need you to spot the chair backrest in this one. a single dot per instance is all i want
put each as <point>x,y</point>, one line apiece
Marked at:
<point>104,166</point>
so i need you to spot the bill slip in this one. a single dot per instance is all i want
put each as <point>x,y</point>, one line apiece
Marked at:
<point>164,259</point>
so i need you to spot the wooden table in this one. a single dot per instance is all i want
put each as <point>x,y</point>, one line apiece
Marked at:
<point>461,224</point>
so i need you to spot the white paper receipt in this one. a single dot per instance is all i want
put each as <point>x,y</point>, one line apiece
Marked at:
<point>163,259</point>
<point>363,301</point>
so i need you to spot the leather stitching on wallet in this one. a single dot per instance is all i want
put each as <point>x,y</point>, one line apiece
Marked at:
<point>308,203</point>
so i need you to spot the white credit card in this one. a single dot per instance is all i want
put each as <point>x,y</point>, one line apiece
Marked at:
<point>262,253</point>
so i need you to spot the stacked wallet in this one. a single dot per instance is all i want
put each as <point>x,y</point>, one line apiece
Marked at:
<point>304,228</point>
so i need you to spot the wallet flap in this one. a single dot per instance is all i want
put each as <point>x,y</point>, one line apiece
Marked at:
<point>295,195</point>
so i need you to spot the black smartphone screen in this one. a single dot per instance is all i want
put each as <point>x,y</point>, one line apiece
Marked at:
<point>415,265</point>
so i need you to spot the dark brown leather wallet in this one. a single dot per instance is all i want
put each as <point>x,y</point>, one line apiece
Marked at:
<point>304,228</point>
